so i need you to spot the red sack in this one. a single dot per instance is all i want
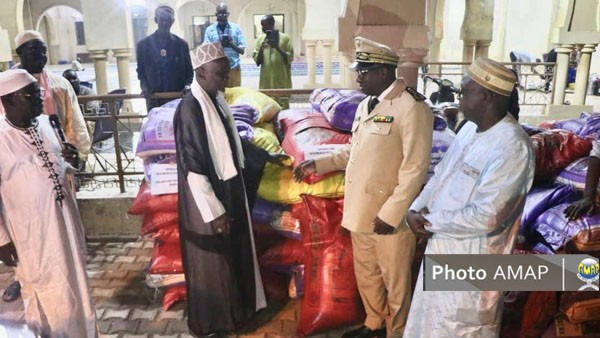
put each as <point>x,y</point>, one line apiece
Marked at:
<point>145,203</point>
<point>158,220</point>
<point>331,296</point>
<point>174,295</point>
<point>275,285</point>
<point>283,257</point>
<point>168,234</point>
<point>554,150</point>
<point>166,259</point>
<point>312,134</point>
<point>265,237</point>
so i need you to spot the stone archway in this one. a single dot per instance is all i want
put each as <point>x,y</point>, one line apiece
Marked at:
<point>193,26</point>
<point>62,28</point>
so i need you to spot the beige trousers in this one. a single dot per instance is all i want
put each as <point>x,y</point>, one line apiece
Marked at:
<point>382,266</point>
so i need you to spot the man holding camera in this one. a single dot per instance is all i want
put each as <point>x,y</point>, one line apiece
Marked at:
<point>231,38</point>
<point>274,54</point>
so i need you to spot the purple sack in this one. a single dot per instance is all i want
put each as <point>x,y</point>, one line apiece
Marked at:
<point>572,125</point>
<point>262,212</point>
<point>541,199</point>
<point>150,161</point>
<point>338,107</point>
<point>439,122</point>
<point>575,174</point>
<point>172,104</point>
<point>156,134</point>
<point>441,141</point>
<point>556,230</point>
<point>591,127</point>
<point>244,130</point>
<point>245,113</point>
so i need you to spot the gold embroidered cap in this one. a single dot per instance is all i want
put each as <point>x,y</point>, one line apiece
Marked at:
<point>13,80</point>
<point>369,52</point>
<point>26,36</point>
<point>206,53</point>
<point>492,75</point>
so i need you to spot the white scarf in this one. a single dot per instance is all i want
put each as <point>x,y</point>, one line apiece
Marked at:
<point>218,142</point>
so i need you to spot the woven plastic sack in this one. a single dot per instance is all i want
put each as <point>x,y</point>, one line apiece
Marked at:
<point>591,127</point>
<point>575,174</point>
<point>442,139</point>
<point>265,106</point>
<point>338,106</point>
<point>157,220</point>
<point>145,202</point>
<point>151,161</point>
<point>579,307</point>
<point>554,151</point>
<point>244,113</point>
<point>556,230</point>
<point>168,234</point>
<point>166,259</point>
<point>278,185</point>
<point>174,295</point>
<point>331,296</point>
<point>541,199</point>
<point>157,134</point>
<point>283,257</point>
<point>266,140</point>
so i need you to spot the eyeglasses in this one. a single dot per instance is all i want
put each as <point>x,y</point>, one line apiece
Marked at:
<point>364,71</point>
<point>222,13</point>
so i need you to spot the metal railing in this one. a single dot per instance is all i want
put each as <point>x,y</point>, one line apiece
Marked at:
<point>535,83</point>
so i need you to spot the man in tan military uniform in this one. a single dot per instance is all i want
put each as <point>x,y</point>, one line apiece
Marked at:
<point>385,165</point>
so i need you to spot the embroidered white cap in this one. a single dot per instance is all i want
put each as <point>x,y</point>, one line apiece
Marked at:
<point>206,53</point>
<point>26,36</point>
<point>13,80</point>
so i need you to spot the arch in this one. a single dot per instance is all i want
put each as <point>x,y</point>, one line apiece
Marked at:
<point>57,25</point>
<point>185,21</point>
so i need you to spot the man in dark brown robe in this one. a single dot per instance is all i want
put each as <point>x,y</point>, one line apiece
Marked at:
<point>224,286</point>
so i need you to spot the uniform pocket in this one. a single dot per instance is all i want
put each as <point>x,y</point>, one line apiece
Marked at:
<point>380,128</point>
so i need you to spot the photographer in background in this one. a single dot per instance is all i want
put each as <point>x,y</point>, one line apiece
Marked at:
<point>231,38</point>
<point>274,55</point>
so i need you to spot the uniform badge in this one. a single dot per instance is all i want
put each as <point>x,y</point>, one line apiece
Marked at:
<point>163,52</point>
<point>383,119</point>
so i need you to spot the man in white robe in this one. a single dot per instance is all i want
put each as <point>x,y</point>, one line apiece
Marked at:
<point>472,204</point>
<point>40,227</point>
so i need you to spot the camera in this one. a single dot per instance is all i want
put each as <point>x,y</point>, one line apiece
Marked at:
<point>272,37</point>
<point>225,40</point>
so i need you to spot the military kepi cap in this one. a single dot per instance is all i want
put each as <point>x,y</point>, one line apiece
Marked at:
<point>492,75</point>
<point>369,52</point>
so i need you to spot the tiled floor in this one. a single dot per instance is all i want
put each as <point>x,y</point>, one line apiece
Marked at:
<point>126,307</point>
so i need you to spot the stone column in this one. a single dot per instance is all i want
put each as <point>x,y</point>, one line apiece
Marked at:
<point>347,75</point>
<point>311,63</point>
<point>468,52</point>
<point>482,49</point>
<point>583,73</point>
<point>122,56</point>
<point>327,65</point>
<point>99,57</point>
<point>408,66</point>
<point>562,67</point>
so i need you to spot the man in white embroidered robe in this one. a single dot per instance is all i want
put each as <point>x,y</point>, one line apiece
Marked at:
<point>40,227</point>
<point>472,204</point>
<point>223,283</point>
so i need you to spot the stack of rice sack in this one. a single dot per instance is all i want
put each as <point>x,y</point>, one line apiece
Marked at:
<point>161,221</point>
<point>156,147</point>
<point>561,149</point>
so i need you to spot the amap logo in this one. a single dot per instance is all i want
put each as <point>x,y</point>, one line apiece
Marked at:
<point>587,271</point>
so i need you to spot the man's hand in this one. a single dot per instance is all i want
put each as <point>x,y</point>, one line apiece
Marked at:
<point>70,154</point>
<point>381,227</point>
<point>8,254</point>
<point>281,160</point>
<point>304,169</point>
<point>585,205</point>
<point>220,225</point>
<point>417,224</point>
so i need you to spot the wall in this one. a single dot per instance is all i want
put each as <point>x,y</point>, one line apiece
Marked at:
<point>57,25</point>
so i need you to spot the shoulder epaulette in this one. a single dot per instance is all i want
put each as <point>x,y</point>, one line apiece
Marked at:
<point>415,94</point>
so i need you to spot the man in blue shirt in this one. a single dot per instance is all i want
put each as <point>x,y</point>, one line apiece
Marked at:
<point>232,39</point>
<point>163,60</point>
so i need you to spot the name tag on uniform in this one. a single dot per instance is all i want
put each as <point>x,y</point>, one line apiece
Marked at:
<point>383,119</point>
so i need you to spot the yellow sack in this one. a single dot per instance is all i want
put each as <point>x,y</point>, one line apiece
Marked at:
<point>278,185</point>
<point>266,140</point>
<point>266,125</point>
<point>266,107</point>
